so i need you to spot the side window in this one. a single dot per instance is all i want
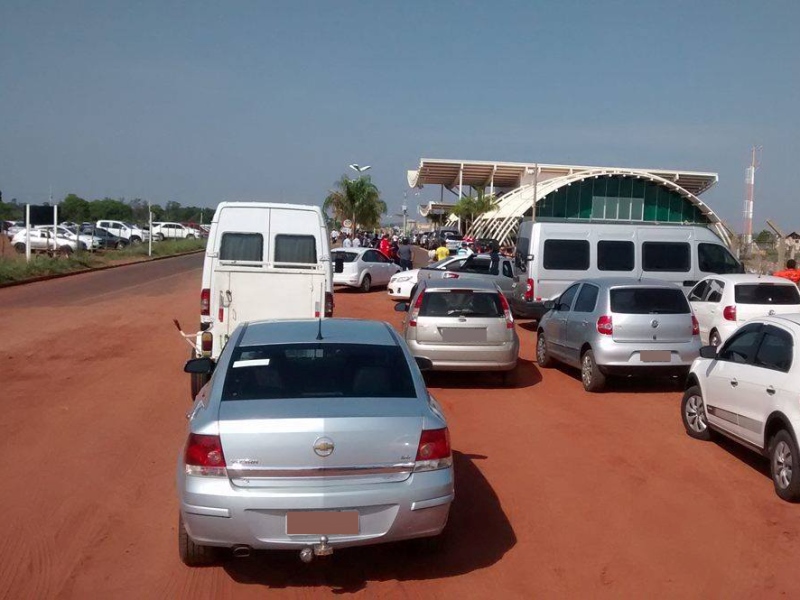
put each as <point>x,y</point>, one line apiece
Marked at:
<point>295,249</point>
<point>587,299</point>
<point>714,258</point>
<point>508,270</point>
<point>476,266</point>
<point>241,246</point>
<point>381,258</point>
<point>521,256</point>
<point>715,289</point>
<point>566,255</point>
<point>455,265</point>
<point>698,292</point>
<point>775,351</point>
<point>666,256</point>
<point>741,347</point>
<point>565,301</point>
<point>615,255</point>
<point>370,256</point>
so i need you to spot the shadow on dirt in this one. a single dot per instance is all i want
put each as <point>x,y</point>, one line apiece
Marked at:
<point>752,459</point>
<point>525,375</point>
<point>637,385</point>
<point>477,536</point>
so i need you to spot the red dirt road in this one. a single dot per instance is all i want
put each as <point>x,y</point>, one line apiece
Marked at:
<point>559,493</point>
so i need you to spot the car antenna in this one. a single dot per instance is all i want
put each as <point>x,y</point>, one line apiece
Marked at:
<point>319,328</point>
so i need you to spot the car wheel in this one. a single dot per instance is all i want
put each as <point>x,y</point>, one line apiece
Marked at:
<point>593,380</point>
<point>543,358</point>
<point>120,245</point>
<point>366,283</point>
<point>19,247</point>
<point>714,339</point>
<point>193,555</point>
<point>159,237</point>
<point>135,241</point>
<point>64,251</point>
<point>693,414</point>
<point>783,454</point>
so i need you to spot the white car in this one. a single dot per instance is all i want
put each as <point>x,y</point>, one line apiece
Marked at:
<point>722,303</point>
<point>362,268</point>
<point>402,285</point>
<point>172,231</point>
<point>87,241</point>
<point>748,391</point>
<point>42,240</point>
<point>133,233</point>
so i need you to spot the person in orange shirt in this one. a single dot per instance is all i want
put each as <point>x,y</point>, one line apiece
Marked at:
<point>791,271</point>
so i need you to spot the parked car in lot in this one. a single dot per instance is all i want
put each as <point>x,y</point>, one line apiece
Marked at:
<point>105,238</point>
<point>619,326</point>
<point>43,240</point>
<point>362,268</point>
<point>462,326</point>
<point>85,241</point>
<point>402,285</point>
<point>748,390</point>
<point>475,267</point>
<point>722,303</point>
<point>172,231</point>
<point>312,435</point>
<point>133,233</point>
<point>11,228</point>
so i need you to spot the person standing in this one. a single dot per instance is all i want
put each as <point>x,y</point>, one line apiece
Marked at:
<point>441,251</point>
<point>346,243</point>
<point>791,272</point>
<point>494,260</point>
<point>404,253</point>
<point>356,242</point>
<point>384,245</point>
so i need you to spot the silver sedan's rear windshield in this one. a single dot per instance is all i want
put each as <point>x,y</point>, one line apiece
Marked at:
<point>318,370</point>
<point>345,256</point>
<point>649,301</point>
<point>461,303</point>
<point>766,293</point>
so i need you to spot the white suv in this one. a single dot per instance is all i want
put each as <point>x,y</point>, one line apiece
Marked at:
<point>172,231</point>
<point>129,231</point>
<point>748,391</point>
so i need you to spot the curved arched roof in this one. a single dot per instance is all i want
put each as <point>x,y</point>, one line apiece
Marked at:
<point>502,221</point>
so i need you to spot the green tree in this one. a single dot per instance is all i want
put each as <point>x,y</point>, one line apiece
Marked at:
<point>172,211</point>
<point>469,208</point>
<point>108,208</point>
<point>74,208</point>
<point>765,237</point>
<point>358,200</point>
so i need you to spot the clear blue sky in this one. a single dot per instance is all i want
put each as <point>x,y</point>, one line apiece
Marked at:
<point>203,101</point>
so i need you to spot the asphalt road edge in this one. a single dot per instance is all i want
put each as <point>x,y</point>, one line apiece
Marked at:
<point>92,270</point>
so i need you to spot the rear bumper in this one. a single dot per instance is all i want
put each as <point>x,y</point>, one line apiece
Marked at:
<point>216,513</point>
<point>626,357</point>
<point>347,279</point>
<point>468,358</point>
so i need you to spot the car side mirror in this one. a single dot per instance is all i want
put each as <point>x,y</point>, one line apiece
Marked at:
<point>708,352</point>
<point>549,304</point>
<point>424,364</point>
<point>199,366</point>
<point>401,307</point>
<point>338,265</point>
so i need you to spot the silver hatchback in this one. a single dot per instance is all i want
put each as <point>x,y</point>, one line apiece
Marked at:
<point>312,435</point>
<point>619,326</point>
<point>462,326</point>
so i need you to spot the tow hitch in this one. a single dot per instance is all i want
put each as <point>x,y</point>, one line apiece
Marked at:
<point>308,553</point>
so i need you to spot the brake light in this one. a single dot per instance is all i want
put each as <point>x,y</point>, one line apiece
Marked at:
<point>433,451</point>
<point>506,312</point>
<point>604,325</point>
<point>206,342</point>
<point>695,326</point>
<point>205,302</point>
<point>529,291</point>
<point>412,318</point>
<point>729,313</point>
<point>203,456</point>
<point>450,275</point>
<point>329,304</point>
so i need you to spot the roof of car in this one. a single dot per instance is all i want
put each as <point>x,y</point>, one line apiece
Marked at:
<point>465,284</point>
<point>627,281</point>
<point>750,278</point>
<point>305,331</point>
<point>793,318</point>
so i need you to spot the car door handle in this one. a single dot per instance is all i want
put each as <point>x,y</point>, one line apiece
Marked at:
<point>585,323</point>
<point>771,391</point>
<point>734,383</point>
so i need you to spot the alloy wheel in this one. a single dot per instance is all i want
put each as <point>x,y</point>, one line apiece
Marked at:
<point>782,464</point>
<point>696,414</point>
<point>586,371</point>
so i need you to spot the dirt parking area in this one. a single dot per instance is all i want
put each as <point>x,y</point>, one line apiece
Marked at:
<point>559,493</point>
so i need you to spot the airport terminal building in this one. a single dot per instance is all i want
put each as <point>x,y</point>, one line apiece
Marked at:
<point>571,193</point>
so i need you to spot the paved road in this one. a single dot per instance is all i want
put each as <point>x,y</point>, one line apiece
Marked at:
<point>559,493</point>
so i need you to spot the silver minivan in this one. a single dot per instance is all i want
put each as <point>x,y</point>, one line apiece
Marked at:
<point>619,326</point>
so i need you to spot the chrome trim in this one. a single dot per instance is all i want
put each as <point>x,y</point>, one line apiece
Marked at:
<point>234,473</point>
<point>422,504</point>
<point>206,511</point>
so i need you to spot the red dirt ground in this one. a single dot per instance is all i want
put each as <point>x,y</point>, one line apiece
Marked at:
<point>559,493</point>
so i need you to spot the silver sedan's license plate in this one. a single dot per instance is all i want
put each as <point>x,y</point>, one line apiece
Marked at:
<point>322,522</point>
<point>656,355</point>
<point>463,334</point>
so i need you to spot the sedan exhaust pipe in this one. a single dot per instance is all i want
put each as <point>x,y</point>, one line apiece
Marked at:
<point>242,551</point>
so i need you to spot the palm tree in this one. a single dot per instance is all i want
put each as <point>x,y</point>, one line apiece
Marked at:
<point>356,199</point>
<point>469,208</point>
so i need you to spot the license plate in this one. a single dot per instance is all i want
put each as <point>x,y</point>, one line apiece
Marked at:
<point>319,522</point>
<point>656,355</point>
<point>463,334</point>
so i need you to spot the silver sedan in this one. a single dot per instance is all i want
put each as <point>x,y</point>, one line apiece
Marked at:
<point>312,435</point>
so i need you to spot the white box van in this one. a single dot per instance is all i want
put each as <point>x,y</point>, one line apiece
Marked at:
<point>263,261</point>
<point>550,256</point>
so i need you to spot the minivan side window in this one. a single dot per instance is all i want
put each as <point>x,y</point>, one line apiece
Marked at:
<point>295,249</point>
<point>714,258</point>
<point>666,256</point>
<point>242,246</point>
<point>615,255</point>
<point>587,299</point>
<point>566,255</point>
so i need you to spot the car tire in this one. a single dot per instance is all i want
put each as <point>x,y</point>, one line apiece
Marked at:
<point>120,245</point>
<point>543,358</point>
<point>693,414</point>
<point>714,339</point>
<point>783,453</point>
<point>591,377</point>
<point>65,251</point>
<point>19,247</point>
<point>366,283</point>
<point>135,241</point>
<point>193,555</point>
<point>159,237</point>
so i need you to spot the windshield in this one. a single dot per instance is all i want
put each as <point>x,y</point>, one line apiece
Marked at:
<point>766,293</point>
<point>461,303</point>
<point>347,257</point>
<point>318,370</point>
<point>649,301</point>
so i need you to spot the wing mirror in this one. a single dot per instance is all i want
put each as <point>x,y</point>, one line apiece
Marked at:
<point>708,352</point>
<point>401,307</point>
<point>549,304</point>
<point>199,366</point>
